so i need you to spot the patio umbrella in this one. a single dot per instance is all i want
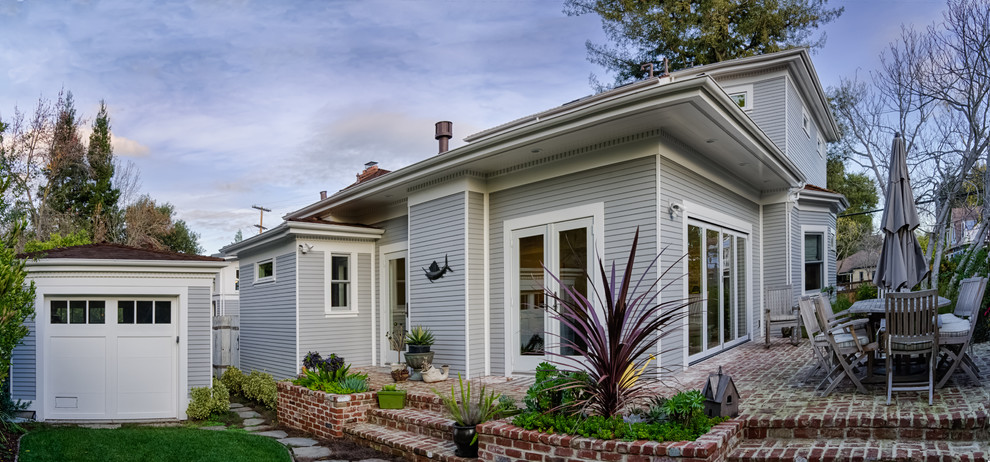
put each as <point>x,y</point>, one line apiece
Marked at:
<point>902,263</point>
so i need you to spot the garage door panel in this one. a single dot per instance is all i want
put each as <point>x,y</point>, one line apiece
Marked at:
<point>78,371</point>
<point>144,375</point>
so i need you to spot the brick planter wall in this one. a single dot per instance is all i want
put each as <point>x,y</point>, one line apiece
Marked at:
<point>501,441</point>
<point>320,414</point>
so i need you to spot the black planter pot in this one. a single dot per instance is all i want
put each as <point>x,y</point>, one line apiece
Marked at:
<point>463,436</point>
<point>419,348</point>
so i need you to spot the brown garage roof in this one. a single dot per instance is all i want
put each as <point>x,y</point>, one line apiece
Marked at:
<point>115,252</point>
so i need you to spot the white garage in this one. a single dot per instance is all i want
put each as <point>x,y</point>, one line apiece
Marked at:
<point>119,334</point>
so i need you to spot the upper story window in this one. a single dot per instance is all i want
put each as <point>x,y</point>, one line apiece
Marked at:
<point>821,146</point>
<point>264,271</point>
<point>742,96</point>
<point>814,262</point>
<point>806,122</point>
<point>340,284</point>
<point>237,279</point>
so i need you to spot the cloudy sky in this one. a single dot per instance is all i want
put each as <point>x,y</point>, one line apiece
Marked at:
<point>226,104</point>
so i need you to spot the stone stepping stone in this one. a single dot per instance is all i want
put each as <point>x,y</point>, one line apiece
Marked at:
<point>214,428</point>
<point>259,428</point>
<point>253,422</point>
<point>236,406</point>
<point>277,434</point>
<point>298,442</point>
<point>248,414</point>
<point>311,452</point>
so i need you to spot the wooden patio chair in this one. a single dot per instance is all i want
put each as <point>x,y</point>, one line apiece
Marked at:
<point>819,345</point>
<point>849,346</point>
<point>779,312</point>
<point>911,330</point>
<point>955,333</point>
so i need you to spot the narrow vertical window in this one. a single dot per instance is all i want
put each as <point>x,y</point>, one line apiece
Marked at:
<point>814,262</point>
<point>340,283</point>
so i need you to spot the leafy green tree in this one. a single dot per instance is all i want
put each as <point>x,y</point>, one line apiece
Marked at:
<point>853,229</point>
<point>695,32</point>
<point>181,238</point>
<point>57,241</point>
<point>153,226</point>
<point>238,237</point>
<point>16,296</point>
<point>102,201</point>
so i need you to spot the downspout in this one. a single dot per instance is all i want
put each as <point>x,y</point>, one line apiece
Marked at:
<point>793,194</point>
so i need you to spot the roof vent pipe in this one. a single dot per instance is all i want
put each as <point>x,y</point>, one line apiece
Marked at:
<point>323,195</point>
<point>445,131</point>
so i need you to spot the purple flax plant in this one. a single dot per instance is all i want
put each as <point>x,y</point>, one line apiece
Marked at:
<point>614,347</point>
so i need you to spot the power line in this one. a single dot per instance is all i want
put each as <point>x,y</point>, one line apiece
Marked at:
<point>261,218</point>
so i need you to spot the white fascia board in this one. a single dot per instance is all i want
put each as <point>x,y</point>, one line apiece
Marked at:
<point>837,202</point>
<point>256,240</point>
<point>328,230</point>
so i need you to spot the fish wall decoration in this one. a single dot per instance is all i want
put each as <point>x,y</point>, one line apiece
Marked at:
<point>436,272</point>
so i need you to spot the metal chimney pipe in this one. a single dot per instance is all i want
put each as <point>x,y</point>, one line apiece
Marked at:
<point>445,131</point>
<point>323,195</point>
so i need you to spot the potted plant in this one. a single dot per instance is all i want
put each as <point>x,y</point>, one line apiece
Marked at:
<point>419,339</point>
<point>397,342</point>
<point>468,411</point>
<point>391,398</point>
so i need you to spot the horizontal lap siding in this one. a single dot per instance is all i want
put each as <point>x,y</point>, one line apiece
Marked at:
<point>802,149</point>
<point>232,307</point>
<point>628,190</point>
<point>768,100</point>
<point>437,229</point>
<point>679,184</point>
<point>476,285</point>
<point>268,320</point>
<point>347,336</point>
<point>200,331</point>
<point>775,241</point>
<point>23,376</point>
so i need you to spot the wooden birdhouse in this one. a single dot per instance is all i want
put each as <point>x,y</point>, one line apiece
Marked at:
<point>721,397</point>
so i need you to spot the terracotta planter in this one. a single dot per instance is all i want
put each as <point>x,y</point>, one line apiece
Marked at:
<point>464,436</point>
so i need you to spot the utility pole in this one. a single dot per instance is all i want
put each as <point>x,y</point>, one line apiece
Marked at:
<point>261,219</point>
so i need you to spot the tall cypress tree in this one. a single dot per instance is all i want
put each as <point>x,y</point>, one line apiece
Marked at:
<point>102,201</point>
<point>67,172</point>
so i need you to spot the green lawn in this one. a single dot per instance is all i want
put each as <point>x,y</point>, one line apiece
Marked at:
<point>147,444</point>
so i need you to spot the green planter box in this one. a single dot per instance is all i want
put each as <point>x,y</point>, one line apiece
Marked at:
<point>392,399</point>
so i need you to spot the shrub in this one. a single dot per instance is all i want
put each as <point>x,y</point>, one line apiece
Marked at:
<point>684,406</point>
<point>330,375</point>
<point>205,401</point>
<point>615,427</point>
<point>260,387</point>
<point>549,392</point>
<point>866,292</point>
<point>616,346</point>
<point>233,379</point>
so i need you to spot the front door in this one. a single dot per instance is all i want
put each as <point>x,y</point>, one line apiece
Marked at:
<point>565,250</point>
<point>394,311</point>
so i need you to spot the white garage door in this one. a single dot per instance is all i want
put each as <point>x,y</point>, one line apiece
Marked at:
<point>111,358</point>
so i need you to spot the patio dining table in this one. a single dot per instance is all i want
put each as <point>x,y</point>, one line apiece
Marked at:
<point>876,309</point>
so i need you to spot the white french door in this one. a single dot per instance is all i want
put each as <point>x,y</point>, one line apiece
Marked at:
<point>717,288</point>
<point>394,317</point>
<point>566,250</point>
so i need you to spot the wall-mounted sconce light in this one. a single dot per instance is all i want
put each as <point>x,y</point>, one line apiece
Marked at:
<point>674,210</point>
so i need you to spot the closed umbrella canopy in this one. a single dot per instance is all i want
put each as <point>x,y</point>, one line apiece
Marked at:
<point>902,264</point>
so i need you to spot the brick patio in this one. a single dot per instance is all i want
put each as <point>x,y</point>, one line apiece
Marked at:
<point>782,418</point>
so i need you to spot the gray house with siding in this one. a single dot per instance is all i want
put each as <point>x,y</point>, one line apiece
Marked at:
<point>723,165</point>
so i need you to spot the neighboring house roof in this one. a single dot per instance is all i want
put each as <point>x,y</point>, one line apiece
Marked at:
<point>114,252</point>
<point>858,260</point>
<point>369,174</point>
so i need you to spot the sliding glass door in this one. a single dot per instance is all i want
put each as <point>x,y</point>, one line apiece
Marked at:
<point>717,288</point>
<point>565,249</point>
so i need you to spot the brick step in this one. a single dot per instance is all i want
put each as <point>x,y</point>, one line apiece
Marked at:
<point>954,427</point>
<point>419,421</point>
<point>774,449</point>
<point>399,443</point>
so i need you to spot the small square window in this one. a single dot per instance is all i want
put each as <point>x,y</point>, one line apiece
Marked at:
<point>740,99</point>
<point>77,312</point>
<point>265,270</point>
<point>97,312</point>
<point>145,311</point>
<point>125,312</point>
<point>60,312</point>
<point>163,312</point>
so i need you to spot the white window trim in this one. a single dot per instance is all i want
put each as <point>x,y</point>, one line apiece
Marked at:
<point>351,309</point>
<point>821,146</point>
<point>806,126</point>
<point>266,279</point>
<point>824,232</point>
<point>747,90</point>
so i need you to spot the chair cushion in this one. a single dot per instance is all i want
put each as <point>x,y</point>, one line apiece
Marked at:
<point>945,318</point>
<point>783,318</point>
<point>845,340</point>
<point>911,346</point>
<point>954,329</point>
